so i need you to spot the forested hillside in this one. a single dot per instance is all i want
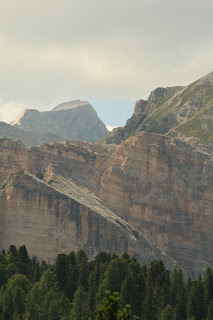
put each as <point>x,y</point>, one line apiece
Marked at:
<point>74,288</point>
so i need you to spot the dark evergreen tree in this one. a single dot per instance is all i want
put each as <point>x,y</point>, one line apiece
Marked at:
<point>83,273</point>
<point>3,275</point>
<point>14,296</point>
<point>80,308</point>
<point>24,261</point>
<point>157,293</point>
<point>13,251</point>
<point>93,285</point>
<point>133,288</point>
<point>80,256</point>
<point>148,306</point>
<point>178,294</point>
<point>37,272</point>
<point>210,311</point>
<point>62,272</point>
<point>110,309</point>
<point>195,303</point>
<point>167,313</point>
<point>207,281</point>
<point>114,276</point>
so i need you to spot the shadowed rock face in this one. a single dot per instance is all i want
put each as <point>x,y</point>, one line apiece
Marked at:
<point>153,194</point>
<point>185,113</point>
<point>71,120</point>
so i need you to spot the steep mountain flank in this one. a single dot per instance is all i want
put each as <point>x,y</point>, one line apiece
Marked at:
<point>71,120</point>
<point>185,113</point>
<point>164,188</point>
<point>26,137</point>
<point>158,190</point>
<point>60,217</point>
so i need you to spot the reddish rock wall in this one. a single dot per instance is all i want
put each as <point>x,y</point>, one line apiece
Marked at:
<point>49,222</point>
<point>161,187</point>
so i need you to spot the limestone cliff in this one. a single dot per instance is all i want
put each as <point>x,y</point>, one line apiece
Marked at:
<point>164,187</point>
<point>50,222</point>
<point>185,113</point>
<point>156,188</point>
<point>71,120</point>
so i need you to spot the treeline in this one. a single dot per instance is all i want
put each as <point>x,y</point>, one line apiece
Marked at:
<point>74,288</point>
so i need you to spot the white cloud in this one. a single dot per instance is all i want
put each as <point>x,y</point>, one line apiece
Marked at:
<point>99,49</point>
<point>10,111</point>
<point>109,127</point>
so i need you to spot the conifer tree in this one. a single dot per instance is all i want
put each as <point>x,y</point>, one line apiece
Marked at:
<point>114,276</point>
<point>110,309</point>
<point>210,311</point>
<point>195,303</point>
<point>24,261</point>
<point>167,313</point>
<point>80,308</point>
<point>62,272</point>
<point>178,295</point>
<point>93,284</point>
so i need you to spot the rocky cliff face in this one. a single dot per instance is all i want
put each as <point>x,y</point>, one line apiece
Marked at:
<point>185,113</point>
<point>153,195</point>
<point>164,188</point>
<point>61,218</point>
<point>72,120</point>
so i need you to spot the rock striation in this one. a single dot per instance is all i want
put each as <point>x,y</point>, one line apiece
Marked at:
<point>71,120</point>
<point>164,187</point>
<point>58,219</point>
<point>151,196</point>
<point>185,113</point>
<point>147,191</point>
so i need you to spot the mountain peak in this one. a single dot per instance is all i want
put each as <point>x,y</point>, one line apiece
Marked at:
<point>78,121</point>
<point>71,105</point>
<point>185,113</point>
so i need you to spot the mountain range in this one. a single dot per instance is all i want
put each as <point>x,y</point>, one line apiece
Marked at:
<point>184,113</point>
<point>145,193</point>
<point>70,120</point>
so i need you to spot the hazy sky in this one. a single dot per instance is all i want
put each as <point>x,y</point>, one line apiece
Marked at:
<point>110,52</point>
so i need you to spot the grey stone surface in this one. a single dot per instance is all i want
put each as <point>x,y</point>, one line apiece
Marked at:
<point>72,120</point>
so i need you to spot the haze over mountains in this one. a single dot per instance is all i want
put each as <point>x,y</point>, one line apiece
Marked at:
<point>141,192</point>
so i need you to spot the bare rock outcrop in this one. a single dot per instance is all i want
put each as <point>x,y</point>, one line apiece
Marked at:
<point>71,120</point>
<point>159,188</point>
<point>184,113</point>
<point>52,220</point>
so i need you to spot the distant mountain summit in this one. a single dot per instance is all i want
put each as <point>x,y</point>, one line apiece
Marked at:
<point>76,120</point>
<point>185,113</point>
<point>71,105</point>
